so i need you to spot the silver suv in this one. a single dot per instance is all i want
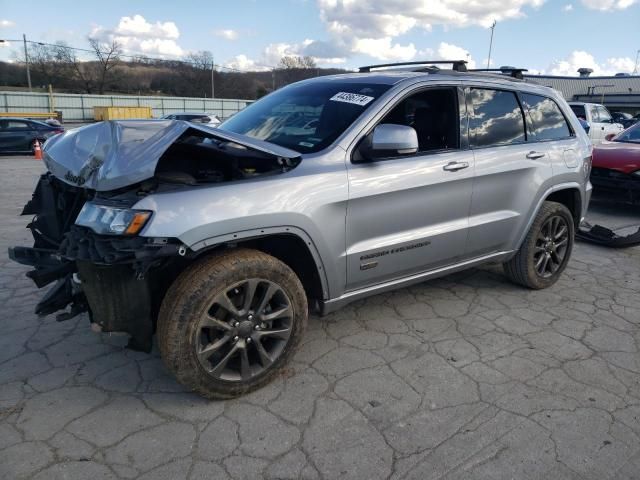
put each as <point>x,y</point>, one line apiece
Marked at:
<point>329,190</point>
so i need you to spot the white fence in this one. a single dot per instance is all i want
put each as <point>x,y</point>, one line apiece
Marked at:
<point>80,107</point>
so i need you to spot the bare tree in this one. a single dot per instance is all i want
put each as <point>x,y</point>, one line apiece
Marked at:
<point>198,72</point>
<point>296,62</point>
<point>108,56</point>
<point>80,71</point>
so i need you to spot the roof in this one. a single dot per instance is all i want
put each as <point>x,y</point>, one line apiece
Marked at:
<point>394,76</point>
<point>572,86</point>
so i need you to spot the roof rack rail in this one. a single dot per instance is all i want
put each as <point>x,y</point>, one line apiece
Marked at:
<point>514,72</point>
<point>456,65</point>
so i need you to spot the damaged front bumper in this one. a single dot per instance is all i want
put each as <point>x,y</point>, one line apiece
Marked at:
<point>113,278</point>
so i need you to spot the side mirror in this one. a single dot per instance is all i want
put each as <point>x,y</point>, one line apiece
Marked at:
<point>390,140</point>
<point>608,137</point>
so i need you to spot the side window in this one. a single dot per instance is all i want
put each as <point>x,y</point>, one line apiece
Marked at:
<point>433,113</point>
<point>604,115</point>
<point>497,118</point>
<point>17,125</point>
<point>595,114</point>
<point>579,111</point>
<point>548,122</point>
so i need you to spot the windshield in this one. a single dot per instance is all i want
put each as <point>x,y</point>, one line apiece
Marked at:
<point>306,117</point>
<point>630,135</point>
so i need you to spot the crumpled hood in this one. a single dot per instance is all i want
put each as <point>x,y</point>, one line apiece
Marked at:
<point>114,154</point>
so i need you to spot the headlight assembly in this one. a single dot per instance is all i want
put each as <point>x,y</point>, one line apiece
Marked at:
<point>107,220</point>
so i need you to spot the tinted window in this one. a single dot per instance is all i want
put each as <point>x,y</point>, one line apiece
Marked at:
<point>17,125</point>
<point>579,111</point>
<point>548,122</point>
<point>497,118</point>
<point>433,113</point>
<point>286,117</point>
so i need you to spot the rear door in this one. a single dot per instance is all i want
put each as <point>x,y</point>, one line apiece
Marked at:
<point>550,132</point>
<point>15,135</point>
<point>409,214</point>
<point>509,170</point>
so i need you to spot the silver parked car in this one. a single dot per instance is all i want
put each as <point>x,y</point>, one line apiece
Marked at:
<point>326,191</point>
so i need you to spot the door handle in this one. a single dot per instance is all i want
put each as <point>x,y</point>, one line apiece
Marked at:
<point>455,166</point>
<point>535,155</point>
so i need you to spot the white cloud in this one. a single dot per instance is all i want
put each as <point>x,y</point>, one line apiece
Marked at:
<point>606,5</point>
<point>137,35</point>
<point>366,19</point>
<point>447,51</point>
<point>6,23</point>
<point>244,63</point>
<point>567,8</point>
<point>384,49</point>
<point>373,28</point>
<point>578,59</point>
<point>227,34</point>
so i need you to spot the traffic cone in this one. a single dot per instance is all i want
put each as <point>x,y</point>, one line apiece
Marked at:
<point>37,150</point>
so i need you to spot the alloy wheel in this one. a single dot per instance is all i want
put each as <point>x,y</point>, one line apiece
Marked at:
<point>551,246</point>
<point>244,331</point>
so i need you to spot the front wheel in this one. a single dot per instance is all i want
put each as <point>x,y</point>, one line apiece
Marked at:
<point>546,250</point>
<point>229,323</point>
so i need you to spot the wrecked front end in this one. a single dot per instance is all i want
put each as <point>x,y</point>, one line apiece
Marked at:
<point>112,277</point>
<point>89,243</point>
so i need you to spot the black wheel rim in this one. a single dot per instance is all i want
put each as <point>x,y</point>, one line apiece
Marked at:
<point>244,331</point>
<point>551,246</point>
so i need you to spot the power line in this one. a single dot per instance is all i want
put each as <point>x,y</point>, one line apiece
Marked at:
<point>132,56</point>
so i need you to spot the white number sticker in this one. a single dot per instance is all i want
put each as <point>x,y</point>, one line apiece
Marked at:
<point>354,98</point>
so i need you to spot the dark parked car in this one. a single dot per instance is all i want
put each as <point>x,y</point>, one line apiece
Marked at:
<point>623,118</point>
<point>616,166</point>
<point>20,134</point>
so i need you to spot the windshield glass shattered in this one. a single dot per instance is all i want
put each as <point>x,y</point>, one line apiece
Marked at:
<point>307,117</point>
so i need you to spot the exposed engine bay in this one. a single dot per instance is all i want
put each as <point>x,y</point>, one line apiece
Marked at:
<point>120,280</point>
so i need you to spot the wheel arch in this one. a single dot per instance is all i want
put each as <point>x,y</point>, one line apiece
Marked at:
<point>289,244</point>
<point>567,194</point>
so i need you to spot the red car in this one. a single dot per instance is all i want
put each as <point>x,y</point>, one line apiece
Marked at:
<point>616,167</point>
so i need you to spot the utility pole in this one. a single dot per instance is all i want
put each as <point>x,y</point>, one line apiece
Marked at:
<point>635,65</point>
<point>493,27</point>
<point>213,68</point>
<point>26,60</point>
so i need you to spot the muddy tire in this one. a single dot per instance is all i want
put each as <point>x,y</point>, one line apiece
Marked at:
<point>230,323</point>
<point>546,250</point>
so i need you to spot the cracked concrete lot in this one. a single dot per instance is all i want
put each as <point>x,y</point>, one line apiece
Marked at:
<point>468,376</point>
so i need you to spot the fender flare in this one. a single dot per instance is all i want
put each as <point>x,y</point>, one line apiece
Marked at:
<point>543,198</point>
<point>254,233</point>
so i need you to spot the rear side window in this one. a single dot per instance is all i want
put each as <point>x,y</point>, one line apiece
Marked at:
<point>548,122</point>
<point>579,111</point>
<point>497,118</point>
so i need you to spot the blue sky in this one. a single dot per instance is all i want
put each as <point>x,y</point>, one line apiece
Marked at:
<point>549,36</point>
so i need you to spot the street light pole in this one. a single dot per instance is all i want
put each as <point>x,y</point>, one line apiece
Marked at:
<point>213,67</point>
<point>493,27</point>
<point>635,65</point>
<point>26,60</point>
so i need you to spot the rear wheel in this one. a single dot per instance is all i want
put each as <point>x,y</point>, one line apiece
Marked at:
<point>546,250</point>
<point>229,324</point>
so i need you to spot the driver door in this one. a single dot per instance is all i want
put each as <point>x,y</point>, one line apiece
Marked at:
<point>409,214</point>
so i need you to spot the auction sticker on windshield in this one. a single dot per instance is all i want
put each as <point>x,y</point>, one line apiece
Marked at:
<point>354,98</point>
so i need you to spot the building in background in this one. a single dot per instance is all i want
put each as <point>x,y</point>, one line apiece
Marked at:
<point>620,92</point>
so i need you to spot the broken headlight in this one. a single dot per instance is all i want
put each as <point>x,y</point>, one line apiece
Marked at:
<point>107,220</point>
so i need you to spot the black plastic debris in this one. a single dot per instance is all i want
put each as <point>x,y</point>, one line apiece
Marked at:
<point>605,236</point>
